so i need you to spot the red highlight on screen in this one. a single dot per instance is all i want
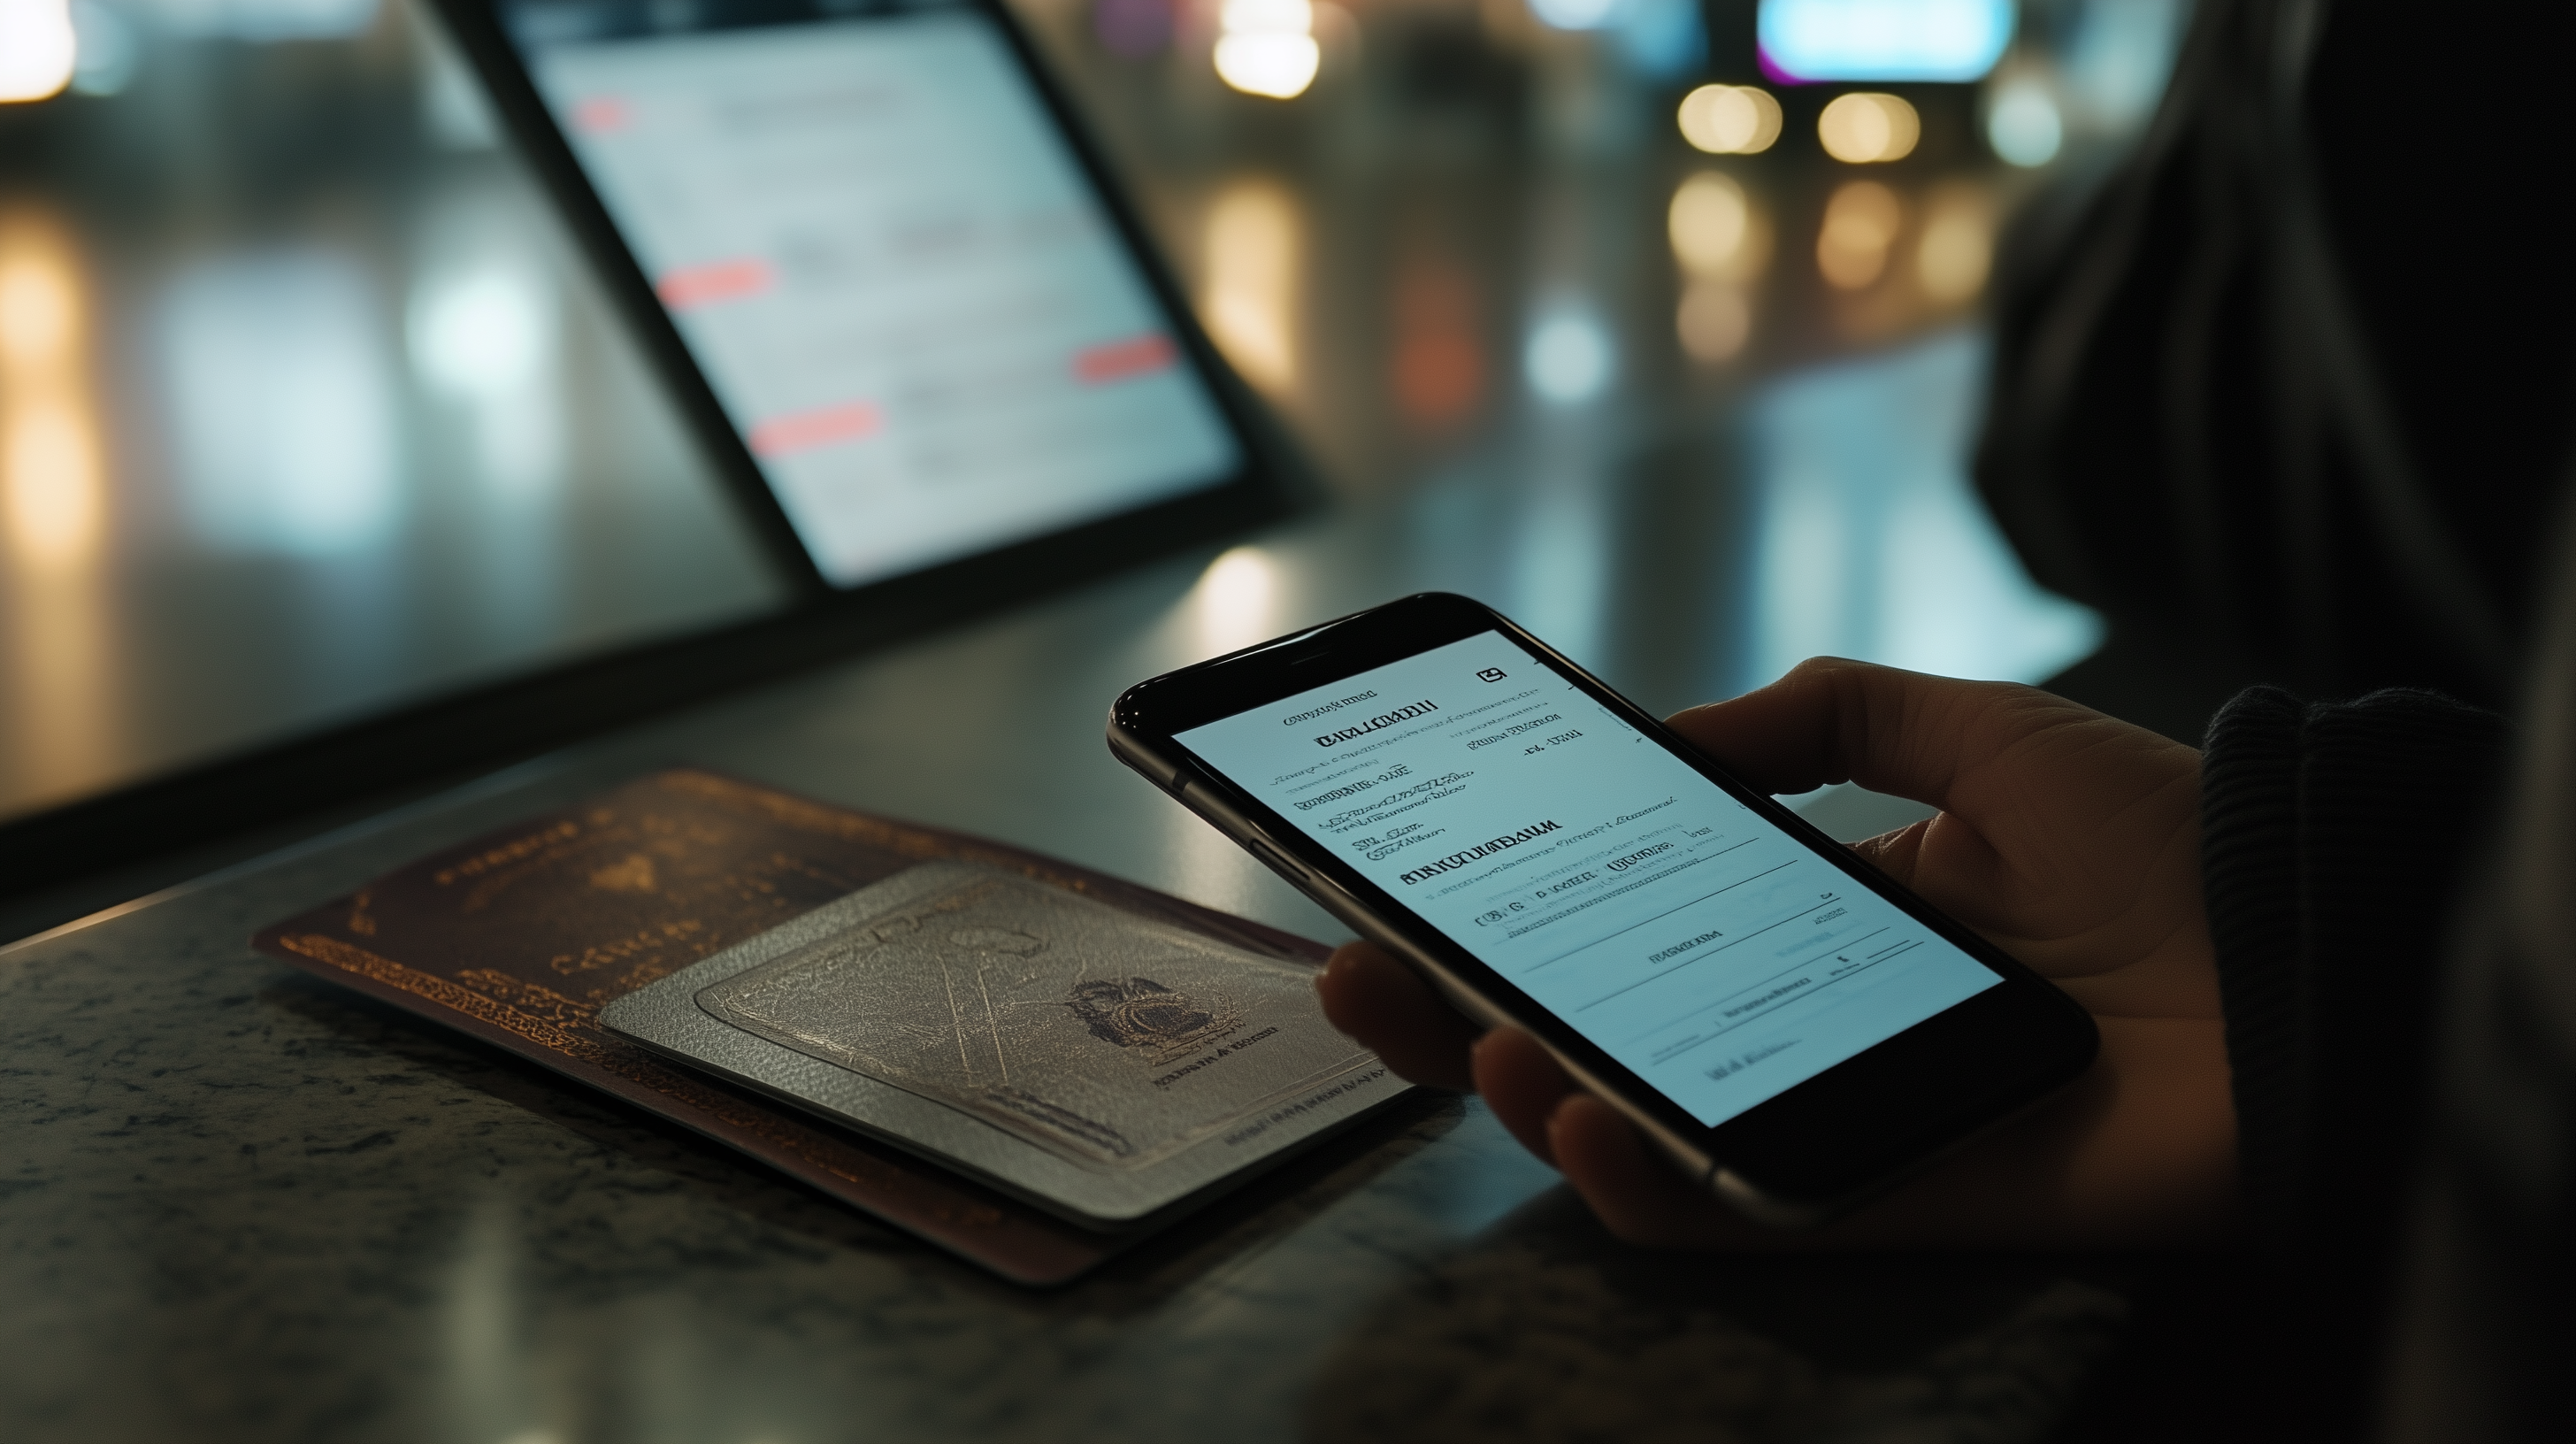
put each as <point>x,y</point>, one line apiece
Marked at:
<point>1118,360</point>
<point>715,281</point>
<point>601,114</point>
<point>812,430</point>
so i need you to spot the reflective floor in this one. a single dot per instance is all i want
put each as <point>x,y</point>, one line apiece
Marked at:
<point>309,410</point>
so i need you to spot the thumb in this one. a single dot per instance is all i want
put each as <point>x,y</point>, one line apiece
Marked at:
<point>1906,734</point>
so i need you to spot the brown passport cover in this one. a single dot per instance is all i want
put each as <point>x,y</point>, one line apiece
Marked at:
<point>520,936</point>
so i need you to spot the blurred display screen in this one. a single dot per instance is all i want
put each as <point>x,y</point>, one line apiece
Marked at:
<point>1927,40</point>
<point>884,256</point>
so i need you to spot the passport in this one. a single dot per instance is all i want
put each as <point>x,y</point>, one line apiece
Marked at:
<point>1012,1057</point>
<point>1095,1062</point>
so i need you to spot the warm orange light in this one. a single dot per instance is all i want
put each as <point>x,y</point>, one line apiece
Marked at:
<point>1708,223</point>
<point>37,48</point>
<point>52,496</point>
<point>38,312</point>
<point>1861,224</point>
<point>1730,119</point>
<point>1237,598</point>
<point>53,501</point>
<point>1958,245</point>
<point>1268,47</point>
<point>1864,128</point>
<point>1249,299</point>
<point>1713,321</point>
<point>59,648</point>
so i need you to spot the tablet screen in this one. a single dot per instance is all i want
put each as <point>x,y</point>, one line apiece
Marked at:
<point>888,263</point>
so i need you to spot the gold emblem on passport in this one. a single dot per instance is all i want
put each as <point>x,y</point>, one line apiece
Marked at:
<point>1108,1039</point>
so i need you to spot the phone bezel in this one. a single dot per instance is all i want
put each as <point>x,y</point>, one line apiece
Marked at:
<point>1268,481</point>
<point>1811,1148</point>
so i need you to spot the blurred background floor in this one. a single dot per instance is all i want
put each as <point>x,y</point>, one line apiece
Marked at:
<point>311,411</point>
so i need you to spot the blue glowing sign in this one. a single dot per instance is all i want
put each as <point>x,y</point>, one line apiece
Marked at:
<point>1954,40</point>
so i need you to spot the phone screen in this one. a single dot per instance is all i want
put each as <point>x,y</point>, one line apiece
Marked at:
<point>1704,948</point>
<point>886,261</point>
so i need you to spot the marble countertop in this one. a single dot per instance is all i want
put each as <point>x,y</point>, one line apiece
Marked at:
<point>236,1202</point>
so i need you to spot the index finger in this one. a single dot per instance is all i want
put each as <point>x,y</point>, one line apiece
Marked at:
<point>1374,998</point>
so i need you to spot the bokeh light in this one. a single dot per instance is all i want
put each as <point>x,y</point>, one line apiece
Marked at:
<point>1957,247</point>
<point>59,662</point>
<point>1862,221</point>
<point>1660,40</point>
<point>38,49</point>
<point>1573,14</point>
<point>1730,119</point>
<point>2114,62</point>
<point>106,49</point>
<point>1569,359</point>
<point>487,332</point>
<point>1268,47</point>
<point>2022,123</point>
<point>1867,128</point>
<point>1714,320</point>
<point>1884,40</point>
<point>39,311</point>
<point>1236,599</point>
<point>1249,300</point>
<point>50,458</point>
<point>1710,224</point>
<point>52,490</point>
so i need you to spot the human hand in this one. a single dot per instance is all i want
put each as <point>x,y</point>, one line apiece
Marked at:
<point>2069,839</point>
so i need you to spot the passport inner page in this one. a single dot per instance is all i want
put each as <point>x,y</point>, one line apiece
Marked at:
<point>1089,1031</point>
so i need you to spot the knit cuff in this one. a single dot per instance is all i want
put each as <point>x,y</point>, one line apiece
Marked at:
<point>2249,811</point>
<point>2334,837</point>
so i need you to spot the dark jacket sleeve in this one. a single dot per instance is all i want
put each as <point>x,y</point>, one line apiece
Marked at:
<point>2335,839</point>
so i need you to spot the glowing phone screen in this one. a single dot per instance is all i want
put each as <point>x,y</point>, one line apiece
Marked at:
<point>1714,955</point>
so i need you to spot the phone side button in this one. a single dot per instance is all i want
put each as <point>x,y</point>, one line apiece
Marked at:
<point>1280,862</point>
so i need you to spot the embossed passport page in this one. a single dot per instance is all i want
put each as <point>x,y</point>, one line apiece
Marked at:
<point>1071,1050</point>
<point>1096,1062</point>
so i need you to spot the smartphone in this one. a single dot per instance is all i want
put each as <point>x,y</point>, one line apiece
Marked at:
<point>1790,1026</point>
